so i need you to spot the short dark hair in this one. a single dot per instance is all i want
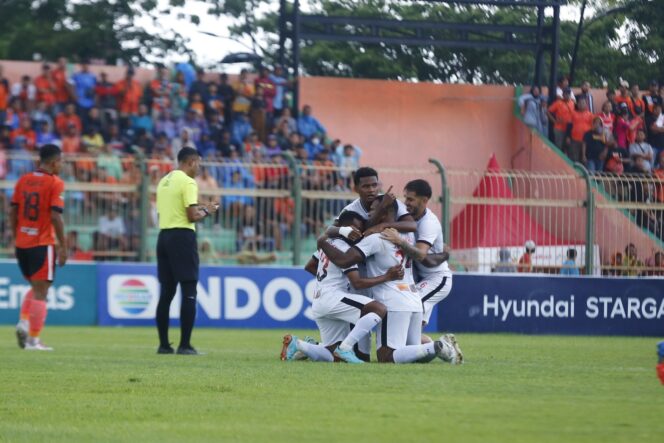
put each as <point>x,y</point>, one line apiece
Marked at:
<point>420,187</point>
<point>186,153</point>
<point>49,152</point>
<point>571,253</point>
<point>347,217</point>
<point>395,205</point>
<point>364,171</point>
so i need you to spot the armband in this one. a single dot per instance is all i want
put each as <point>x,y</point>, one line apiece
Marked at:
<point>345,231</point>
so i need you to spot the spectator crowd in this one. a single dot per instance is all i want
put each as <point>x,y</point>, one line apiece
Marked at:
<point>239,127</point>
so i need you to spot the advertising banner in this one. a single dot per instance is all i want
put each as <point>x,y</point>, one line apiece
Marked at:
<point>72,300</point>
<point>231,297</point>
<point>554,305</point>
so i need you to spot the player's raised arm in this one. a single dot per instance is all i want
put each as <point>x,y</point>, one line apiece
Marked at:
<point>394,273</point>
<point>312,266</point>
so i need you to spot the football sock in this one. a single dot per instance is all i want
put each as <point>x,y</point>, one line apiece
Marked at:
<point>315,352</point>
<point>187,312</point>
<point>25,306</point>
<point>362,328</point>
<point>167,292</point>
<point>37,317</point>
<point>409,354</point>
<point>364,345</point>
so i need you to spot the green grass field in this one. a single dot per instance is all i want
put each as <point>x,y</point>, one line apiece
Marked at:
<point>104,384</point>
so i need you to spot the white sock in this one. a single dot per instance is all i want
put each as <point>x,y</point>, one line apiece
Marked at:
<point>364,345</point>
<point>409,354</point>
<point>315,352</point>
<point>362,328</point>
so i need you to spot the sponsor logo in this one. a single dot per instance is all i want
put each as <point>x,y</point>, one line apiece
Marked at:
<point>132,296</point>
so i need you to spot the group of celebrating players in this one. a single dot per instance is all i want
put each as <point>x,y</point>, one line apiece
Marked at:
<point>366,268</point>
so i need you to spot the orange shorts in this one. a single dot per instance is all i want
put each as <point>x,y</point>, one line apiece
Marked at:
<point>38,263</point>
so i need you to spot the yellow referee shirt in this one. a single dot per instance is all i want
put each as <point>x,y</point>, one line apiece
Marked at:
<point>175,193</point>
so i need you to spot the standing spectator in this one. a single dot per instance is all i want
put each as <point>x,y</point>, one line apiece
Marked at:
<point>166,125</point>
<point>199,86</point>
<point>594,146</point>
<point>348,160</point>
<point>92,140</point>
<point>280,85</point>
<point>128,93</point>
<point>641,153</point>
<point>214,102</point>
<point>45,86</point>
<point>184,141</point>
<point>84,86</point>
<point>582,122</point>
<point>622,126</point>
<point>272,147</point>
<point>24,135</point>
<point>314,146</point>
<point>227,94</point>
<point>563,83</point>
<point>560,114</point>
<point>244,92</point>
<point>46,136</point>
<point>62,87</point>
<point>631,261</point>
<point>41,115</point>
<point>66,118</point>
<point>624,96</point>
<point>569,266</point>
<point>608,119</point>
<point>115,141</point>
<point>4,95</point>
<point>105,95</point>
<point>504,262</point>
<point>651,100</point>
<point>656,129</point>
<point>611,98</point>
<point>586,96</point>
<point>308,125</point>
<point>225,147</point>
<point>259,113</point>
<point>160,88</point>
<point>25,92</point>
<point>142,120</point>
<point>533,109</point>
<point>268,91</point>
<point>195,123</point>
<point>241,129</point>
<point>287,120</point>
<point>110,233</point>
<point>526,260</point>
<point>179,96</point>
<point>196,104</point>
<point>635,124</point>
<point>635,99</point>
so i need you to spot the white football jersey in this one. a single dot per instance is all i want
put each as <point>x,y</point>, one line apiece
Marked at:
<point>356,206</point>
<point>380,255</point>
<point>330,277</point>
<point>430,231</point>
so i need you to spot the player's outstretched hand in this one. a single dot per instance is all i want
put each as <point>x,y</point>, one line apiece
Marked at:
<point>62,256</point>
<point>391,235</point>
<point>395,272</point>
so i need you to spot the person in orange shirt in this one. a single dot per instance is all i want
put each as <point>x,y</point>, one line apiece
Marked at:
<point>635,99</point>
<point>608,119</point>
<point>66,118</point>
<point>624,96</point>
<point>4,95</point>
<point>24,135</point>
<point>45,86</point>
<point>62,88</point>
<point>582,122</point>
<point>71,141</point>
<point>560,114</point>
<point>128,93</point>
<point>36,221</point>
<point>161,92</point>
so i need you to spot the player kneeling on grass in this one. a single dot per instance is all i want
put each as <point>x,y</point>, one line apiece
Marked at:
<point>343,318</point>
<point>399,337</point>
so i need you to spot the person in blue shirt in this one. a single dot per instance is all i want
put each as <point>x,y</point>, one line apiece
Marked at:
<point>45,135</point>
<point>307,125</point>
<point>569,266</point>
<point>281,84</point>
<point>314,146</point>
<point>142,120</point>
<point>241,129</point>
<point>84,85</point>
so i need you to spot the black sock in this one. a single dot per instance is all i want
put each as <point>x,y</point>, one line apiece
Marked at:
<point>187,312</point>
<point>163,308</point>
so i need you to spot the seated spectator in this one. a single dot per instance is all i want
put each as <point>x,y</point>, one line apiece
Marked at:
<point>105,95</point>
<point>179,96</point>
<point>71,141</point>
<point>84,85</point>
<point>533,109</point>
<point>348,160</point>
<point>582,122</point>
<point>184,141</point>
<point>109,161</point>
<point>272,147</point>
<point>207,253</point>
<point>658,173</point>
<point>142,120</point>
<point>166,125</point>
<point>111,232</point>
<point>641,154</point>
<point>196,104</point>
<point>226,146</point>
<point>115,141</point>
<point>569,266</point>
<point>314,146</point>
<point>301,154</point>
<point>214,102</point>
<point>41,114</point>
<point>195,123</point>
<point>595,147</point>
<point>24,92</point>
<point>24,136</point>
<point>11,118</point>
<point>206,147</point>
<point>241,129</point>
<point>308,125</point>
<point>92,140</point>
<point>656,265</point>
<point>234,205</point>
<point>526,260</point>
<point>631,263</point>
<point>143,141</point>
<point>227,94</point>
<point>504,262</point>
<point>250,235</point>
<point>94,119</point>
<point>162,143</point>
<point>160,89</point>
<point>45,136</point>
<point>560,114</point>
<point>287,121</point>
<point>75,252</point>
<point>253,146</point>
<point>206,183</point>
<point>199,86</point>
<point>66,118</point>
<point>608,118</point>
<point>294,139</point>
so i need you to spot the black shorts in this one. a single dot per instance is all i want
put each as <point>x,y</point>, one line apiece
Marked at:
<point>177,255</point>
<point>38,263</point>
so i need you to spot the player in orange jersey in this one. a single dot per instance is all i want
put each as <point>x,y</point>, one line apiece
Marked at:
<point>36,221</point>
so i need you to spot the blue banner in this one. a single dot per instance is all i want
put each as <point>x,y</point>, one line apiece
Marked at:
<point>554,305</point>
<point>72,300</point>
<point>230,297</point>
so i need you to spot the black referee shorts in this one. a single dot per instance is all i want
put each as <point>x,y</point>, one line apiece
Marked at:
<point>177,255</point>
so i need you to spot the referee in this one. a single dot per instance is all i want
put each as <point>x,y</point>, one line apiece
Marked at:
<point>177,252</point>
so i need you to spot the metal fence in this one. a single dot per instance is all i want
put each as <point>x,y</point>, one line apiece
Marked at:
<point>272,211</point>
